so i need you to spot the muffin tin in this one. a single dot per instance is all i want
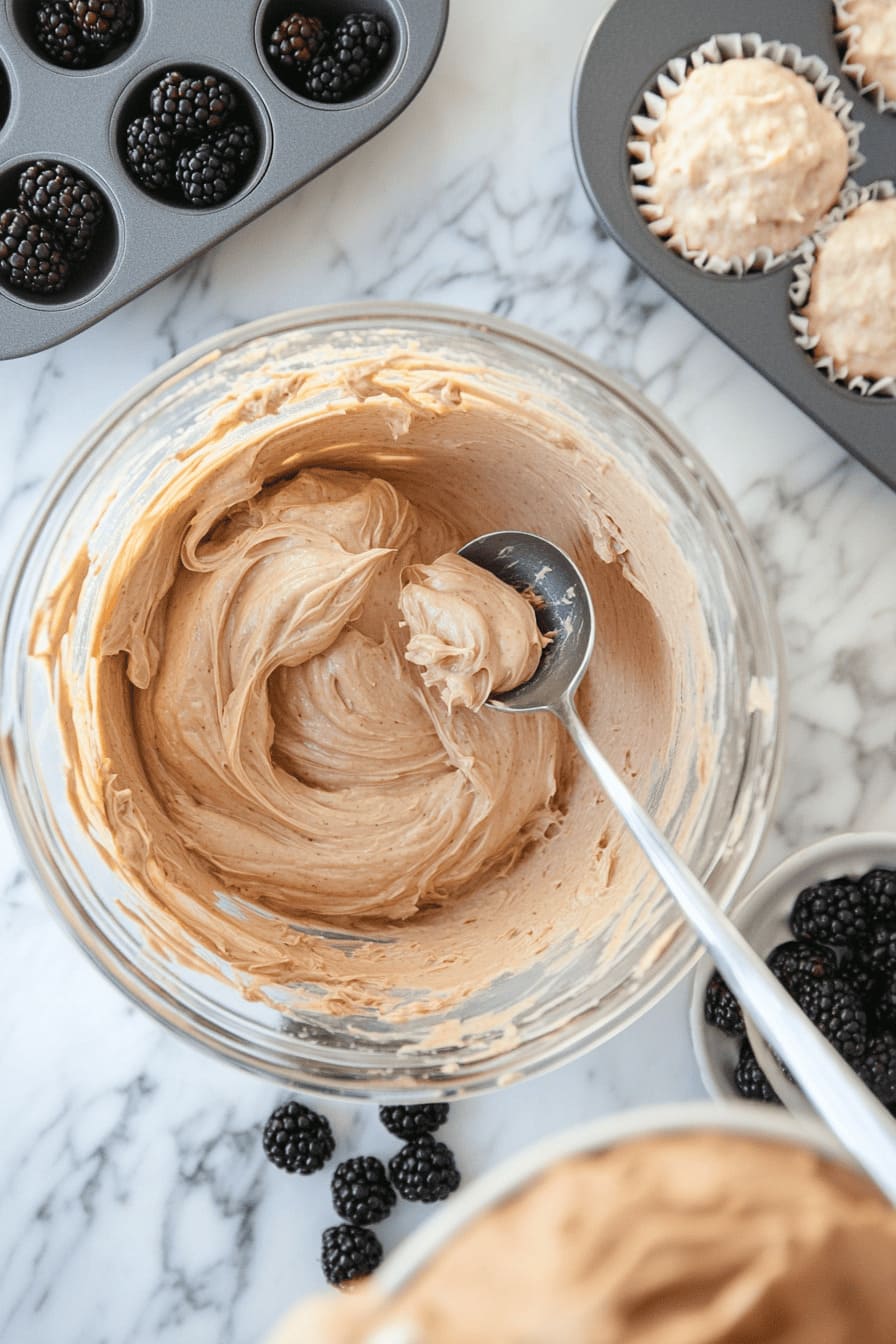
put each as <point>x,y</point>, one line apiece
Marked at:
<point>79,118</point>
<point>633,42</point>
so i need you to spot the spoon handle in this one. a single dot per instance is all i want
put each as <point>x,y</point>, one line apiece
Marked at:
<point>853,1113</point>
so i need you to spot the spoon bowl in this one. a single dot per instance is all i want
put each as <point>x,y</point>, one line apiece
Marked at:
<point>565,612</point>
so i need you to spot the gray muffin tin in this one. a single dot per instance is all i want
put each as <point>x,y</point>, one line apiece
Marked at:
<point>632,43</point>
<point>79,118</point>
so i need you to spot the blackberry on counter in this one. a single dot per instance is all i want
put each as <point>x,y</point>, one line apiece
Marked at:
<point>361,1191</point>
<point>879,889</point>
<point>837,1012</point>
<point>60,38</point>
<point>204,176</point>
<point>149,151</point>
<point>296,41</point>
<point>104,23</point>
<point>835,912</point>
<point>31,257</point>
<point>791,960</point>
<point>238,144</point>
<point>409,1122</point>
<point>749,1079</point>
<point>296,1138</point>
<point>424,1170</point>
<point>192,105</point>
<point>879,949</point>
<point>721,1009</point>
<point>66,203</point>
<point>349,1253</point>
<point>878,1069</point>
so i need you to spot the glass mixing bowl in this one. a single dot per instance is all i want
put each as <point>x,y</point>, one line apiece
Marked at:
<point>573,998</point>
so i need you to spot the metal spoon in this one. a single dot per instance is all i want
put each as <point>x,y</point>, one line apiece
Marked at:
<point>858,1119</point>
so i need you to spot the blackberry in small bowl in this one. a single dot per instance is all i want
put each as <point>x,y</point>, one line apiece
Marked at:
<point>328,63</point>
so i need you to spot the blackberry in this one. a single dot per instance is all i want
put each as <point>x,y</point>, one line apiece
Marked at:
<point>879,889</point>
<point>187,105</point>
<point>879,949</point>
<point>878,1069</point>
<point>204,176</point>
<point>360,45</point>
<point>60,38</point>
<point>424,1170</point>
<point>296,1138</point>
<point>295,42</point>
<point>721,1009</point>
<point>791,960</point>
<point>749,1079</point>
<point>837,1012</point>
<point>104,23</point>
<point>149,151</point>
<point>349,1253</point>
<point>327,82</point>
<point>863,976</point>
<point>361,1191</point>
<point>31,257</point>
<point>834,912</point>
<point>362,42</point>
<point>409,1122</point>
<point>66,203</point>
<point>238,144</point>
<point>886,1006</point>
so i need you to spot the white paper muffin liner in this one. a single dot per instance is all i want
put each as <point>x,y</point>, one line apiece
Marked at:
<point>850,199</point>
<point>847,32</point>
<point>726,47</point>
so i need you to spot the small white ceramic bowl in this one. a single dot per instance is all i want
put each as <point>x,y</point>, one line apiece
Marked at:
<point>763,916</point>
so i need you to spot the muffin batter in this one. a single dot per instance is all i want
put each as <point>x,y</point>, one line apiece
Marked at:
<point>746,157</point>
<point>242,719</point>
<point>871,43</point>
<point>853,292</point>
<point>680,1239</point>
<point>471,633</point>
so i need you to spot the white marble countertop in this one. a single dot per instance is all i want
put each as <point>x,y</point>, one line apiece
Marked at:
<point>135,1202</point>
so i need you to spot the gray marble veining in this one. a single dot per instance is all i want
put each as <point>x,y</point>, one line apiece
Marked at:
<point>135,1204</point>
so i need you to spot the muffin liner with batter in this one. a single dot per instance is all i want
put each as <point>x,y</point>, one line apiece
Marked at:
<point>850,200</point>
<point>852,67</point>
<point>725,47</point>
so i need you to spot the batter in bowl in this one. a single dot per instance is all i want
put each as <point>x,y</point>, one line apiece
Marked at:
<point>697,1238</point>
<point>254,725</point>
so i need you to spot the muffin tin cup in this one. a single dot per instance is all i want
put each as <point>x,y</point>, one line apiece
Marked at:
<point>79,118</point>
<point>716,49</point>
<point>632,44</point>
<point>850,200</point>
<point>852,67</point>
